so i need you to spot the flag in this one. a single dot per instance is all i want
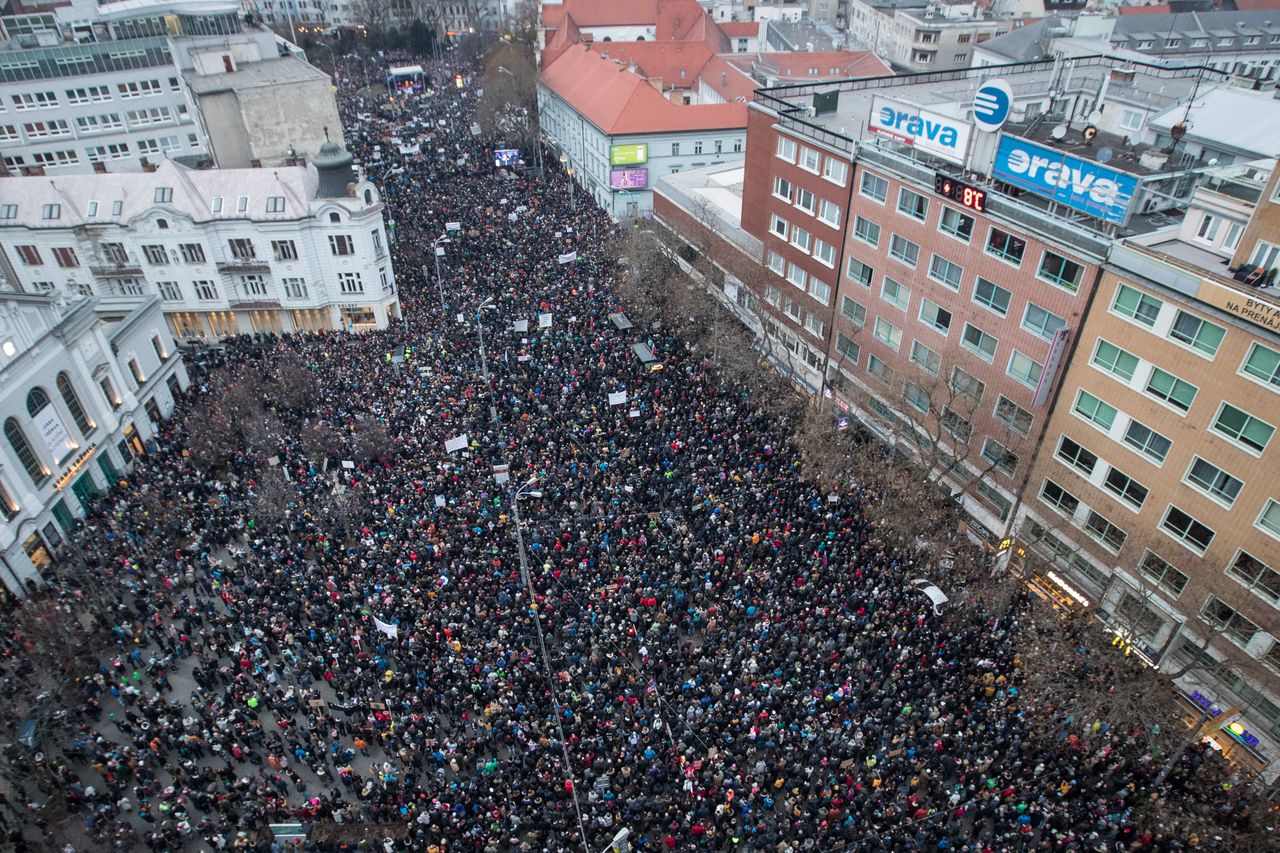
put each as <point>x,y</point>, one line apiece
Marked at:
<point>386,627</point>
<point>569,257</point>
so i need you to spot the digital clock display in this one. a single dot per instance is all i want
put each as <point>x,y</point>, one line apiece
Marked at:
<point>968,196</point>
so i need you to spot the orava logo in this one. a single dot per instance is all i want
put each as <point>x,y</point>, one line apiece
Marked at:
<point>1075,177</point>
<point>910,124</point>
<point>991,104</point>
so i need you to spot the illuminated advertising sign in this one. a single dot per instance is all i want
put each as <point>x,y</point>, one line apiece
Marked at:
<point>506,156</point>
<point>931,132</point>
<point>629,179</point>
<point>628,155</point>
<point>1082,185</point>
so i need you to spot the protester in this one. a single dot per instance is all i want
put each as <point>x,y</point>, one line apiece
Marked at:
<point>734,660</point>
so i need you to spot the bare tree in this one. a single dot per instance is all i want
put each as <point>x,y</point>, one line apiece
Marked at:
<point>508,109</point>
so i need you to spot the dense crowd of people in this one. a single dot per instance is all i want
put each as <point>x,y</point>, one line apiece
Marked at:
<point>704,649</point>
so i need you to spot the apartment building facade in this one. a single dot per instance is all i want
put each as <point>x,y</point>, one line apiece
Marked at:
<point>916,35</point>
<point>227,251</point>
<point>83,384</point>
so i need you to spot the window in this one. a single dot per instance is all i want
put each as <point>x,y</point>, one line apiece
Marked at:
<point>806,200</point>
<point>1025,369</point>
<point>866,231</point>
<point>772,295</point>
<point>1041,322</point>
<point>879,369</point>
<point>813,325</point>
<point>945,272</point>
<point>675,148</point>
<point>1136,305</point>
<point>140,89</point>
<point>820,290</point>
<point>216,205</point>
<point>1196,333</point>
<point>809,160</point>
<point>9,211</point>
<point>30,256</point>
<point>786,149</point>
<point>1013,416</point>
<point>1095,411</point>
<point>349,282</point>
<point>66,257</point>
<point>242,204</point>
<point>275,204</point>
<point>874,187</point>
<point>777,263</point>
<point>35,101</point>
<point>284,250</point>
<point>1126,488</point>
<point>89,94</point>
<point>904,250</point>
<point>56,158</point>
<point>847,348</point>
<point>999,456</point>
<point>916,396</point>
<point>50,129</point>
<point>797,276</point>
<point>1224,618</point>
<point>1077,456</point>
<point>963,382</point>
<point>995,498</point>
<point>1162,574</point>
<point>295,288</point>
<point>1059,498</point>
<point>912,204</point>
<point>853,312</point>
<point>1269,518</point>
<point>1174,391</point>
<point>956,426</point>
<point>956,224</point>
<point>1056,269</point>
<point>51,211</point>
<point>1243,427</point>
<point>1213,481</point>
<point>1005,246</point>
<point>792,309</point>
<point>1147,441</point>
<point>1208,229</point>
<point>829,212</point>
<point>777,225</point>
<point>155,254</point>
<point>8,505</point>
<point>926,359</point>
<point>979,342</point>
<point>1187,530</point>
<point>1114,360</point>
<point>782,188</point>
<point>835,171</point>
<point>887,334</point>
<point>136,370</point>
<point>992,296</point>
<point>1263,363</point>
<point>242,249</point>
<point>99,123</point>
<point>935,315</point>
<point>22,449</point>
<point>163,195</point>
<point>859,272</point>
<point>206,291</point>
<point>1101,528</point>
<point>1262,580</point>
<point>824,253</point>
<point>192,253</point>
<point>895,293</point>
<point>170,291</point>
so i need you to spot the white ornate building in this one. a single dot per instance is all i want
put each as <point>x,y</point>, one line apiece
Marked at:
<point>228,251</point>
<point>83,382</point>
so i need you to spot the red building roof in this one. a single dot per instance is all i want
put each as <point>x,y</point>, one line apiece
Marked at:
<point>619,102</point>
<point>740,29</point>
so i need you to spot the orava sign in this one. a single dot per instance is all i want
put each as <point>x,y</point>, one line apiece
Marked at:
<point>1079,184</point>
<point>934,133</point>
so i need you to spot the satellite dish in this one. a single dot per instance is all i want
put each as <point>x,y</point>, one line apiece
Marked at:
<point>1059,132</point>
<point>1105,153</point>
<point>1213,161</point>
<point>1095,116</point>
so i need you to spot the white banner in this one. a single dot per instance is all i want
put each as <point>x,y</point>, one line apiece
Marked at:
<point>935,133</point>
<point>569,257</point>
<point>618,399</point>
<point>453,444</point>
<point>386,627</point>
<point>544,321</point>
<point>54,432</point>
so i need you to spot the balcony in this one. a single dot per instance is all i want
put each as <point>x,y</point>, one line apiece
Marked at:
<point>127,269</point>
<point>243,265</point>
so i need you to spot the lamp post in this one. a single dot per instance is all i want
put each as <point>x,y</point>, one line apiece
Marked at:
<point>484,363</point>
<point>439,253</point>
<point>568,170</point>
<point>529,490</point>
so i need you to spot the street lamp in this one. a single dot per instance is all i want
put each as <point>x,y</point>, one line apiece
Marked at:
<point>484,363</point>
<point>435,244</point>
<point>568,170</point>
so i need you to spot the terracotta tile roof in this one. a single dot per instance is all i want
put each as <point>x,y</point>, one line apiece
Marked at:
<point>660,60</point>
<point>1144,10</point>
<point>728,80</point>
<point>740,29</point>
<point>619,102</point>
<point>601,13</point>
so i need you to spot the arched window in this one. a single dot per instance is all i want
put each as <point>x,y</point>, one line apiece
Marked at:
<point>22,449</point>
<point>36,400</point>
<point>335,217</point>
<point>68,392</point>
<point>368,196</point>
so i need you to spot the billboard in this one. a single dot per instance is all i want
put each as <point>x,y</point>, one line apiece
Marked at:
<point>628,155</point>
<point>628,179</point>
<point>933,133</point>
<point>506,157</point>
<point>1082,185</point>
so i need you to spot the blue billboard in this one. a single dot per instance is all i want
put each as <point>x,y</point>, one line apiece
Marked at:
<point>1079,184</point>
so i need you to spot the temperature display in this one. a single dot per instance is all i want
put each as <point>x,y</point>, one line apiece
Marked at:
<point>969,196</point>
